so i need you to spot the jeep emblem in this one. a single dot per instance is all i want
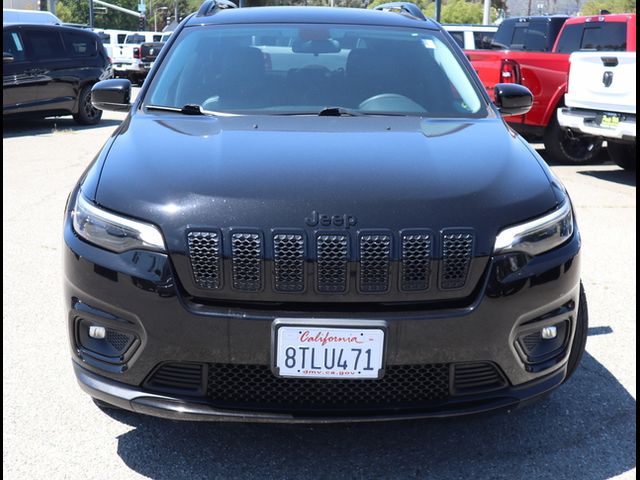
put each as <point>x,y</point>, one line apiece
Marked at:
<point>326,220</point>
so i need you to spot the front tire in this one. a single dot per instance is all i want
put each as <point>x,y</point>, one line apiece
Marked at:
<point>569,148</point>
<point>87,113</point>
<point>580,339</point>
<point>622,154</point>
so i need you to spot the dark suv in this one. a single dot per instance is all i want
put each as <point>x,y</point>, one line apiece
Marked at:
<point>48,70</point>
<point>317,214</point>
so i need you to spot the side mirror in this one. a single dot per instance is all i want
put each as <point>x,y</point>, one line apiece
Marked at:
<point>114,94</point>
<point>512,99</point>
<point>7,57</point>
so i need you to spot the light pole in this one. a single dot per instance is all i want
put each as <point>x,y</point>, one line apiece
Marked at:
<point>155,17</point>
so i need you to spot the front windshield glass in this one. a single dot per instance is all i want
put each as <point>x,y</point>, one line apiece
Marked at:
<point>303,69</point>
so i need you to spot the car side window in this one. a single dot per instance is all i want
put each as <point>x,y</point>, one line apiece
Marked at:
<point>12,43</point>
<point>45,45</point>
<point>79,45</point>
<point>483,40</point>
<point>570,38</point>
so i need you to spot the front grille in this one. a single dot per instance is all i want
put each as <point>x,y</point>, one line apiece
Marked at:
<point>375,261</point>
<point>456,258</point>
<point>332,254</point>
<point>477,377</point>
<point>334,263</point>
<point>288,260</point>
<point>416,262</point>
<point>205,253</point>
<point>247,261</point>
<point>255,387</point>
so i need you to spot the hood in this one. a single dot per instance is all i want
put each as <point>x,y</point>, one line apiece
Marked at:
<point>268,172</point>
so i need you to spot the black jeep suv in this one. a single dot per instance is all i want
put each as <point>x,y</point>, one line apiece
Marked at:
<point>48,70</point>
<point>316,214</point>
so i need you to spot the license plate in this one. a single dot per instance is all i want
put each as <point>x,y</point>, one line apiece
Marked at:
<point>608,120</point>
<point>327,351</point>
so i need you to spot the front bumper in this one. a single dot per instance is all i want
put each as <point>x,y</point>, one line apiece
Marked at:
<point>175,408</point>
<point>584,121</point>
<point>136,293</point>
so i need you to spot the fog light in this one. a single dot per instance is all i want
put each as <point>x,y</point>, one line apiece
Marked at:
<point>97,332</point>
<point>549,333</point>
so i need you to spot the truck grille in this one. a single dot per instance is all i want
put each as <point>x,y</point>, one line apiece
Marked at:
<point>289,262</point>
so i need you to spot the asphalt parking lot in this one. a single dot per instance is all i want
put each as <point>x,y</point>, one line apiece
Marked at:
<point>585,430</point>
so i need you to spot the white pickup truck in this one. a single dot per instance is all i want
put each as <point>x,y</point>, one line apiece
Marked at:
<point>127,57</point>
<point>601,101</point>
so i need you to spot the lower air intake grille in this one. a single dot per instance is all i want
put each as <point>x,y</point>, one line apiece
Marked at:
<point>476,377</point>
<point>178,377</point>
<point>255,387</point>
<point>457,250</point>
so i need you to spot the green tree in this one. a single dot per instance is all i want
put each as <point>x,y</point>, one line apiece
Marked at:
<point>454,11</point>
<point>77,11</point>
<point>594,7</point>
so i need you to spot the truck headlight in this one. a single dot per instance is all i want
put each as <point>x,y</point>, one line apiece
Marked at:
<point>111,231</point>
<point>539,235</point>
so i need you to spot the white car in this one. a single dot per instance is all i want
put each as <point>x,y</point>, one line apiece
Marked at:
<point>601,101</point>
<point>111,39</point>
<point>127,57</point>
<point>472,37</point>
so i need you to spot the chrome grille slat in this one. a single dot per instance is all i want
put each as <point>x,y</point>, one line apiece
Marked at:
<point>205,253</point>
<point>415,269</point>
<point>332,263</point>
<point>288,260</point>
<point>457,251</point>
<point>375,260</point>
<point>246,253</point>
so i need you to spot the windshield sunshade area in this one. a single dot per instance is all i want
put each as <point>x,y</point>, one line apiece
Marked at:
<point>305,69</point>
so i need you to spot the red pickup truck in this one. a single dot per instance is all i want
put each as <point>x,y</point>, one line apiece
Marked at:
<point>534,51</point>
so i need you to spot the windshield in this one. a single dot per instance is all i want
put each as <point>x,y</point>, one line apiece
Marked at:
<point>134,38</point>
<point>302,69</point>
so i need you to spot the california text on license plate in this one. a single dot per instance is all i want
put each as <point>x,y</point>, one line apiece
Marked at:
<point>306,351</point>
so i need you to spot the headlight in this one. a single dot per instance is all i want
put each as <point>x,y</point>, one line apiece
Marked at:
<point>111,231</point>
<point>539,235</point>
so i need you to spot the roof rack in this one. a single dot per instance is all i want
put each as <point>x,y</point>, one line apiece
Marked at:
<point>211,7</point>
<point>405,8</point>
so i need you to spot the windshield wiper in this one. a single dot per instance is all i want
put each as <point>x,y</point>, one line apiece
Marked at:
<point>191,109</point>
<point>339,112</point>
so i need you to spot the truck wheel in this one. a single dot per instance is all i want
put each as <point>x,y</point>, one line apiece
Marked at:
<point>87,113</point>
<point>622,154</point>
<point>580,338</point>
<point>569,148</point>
